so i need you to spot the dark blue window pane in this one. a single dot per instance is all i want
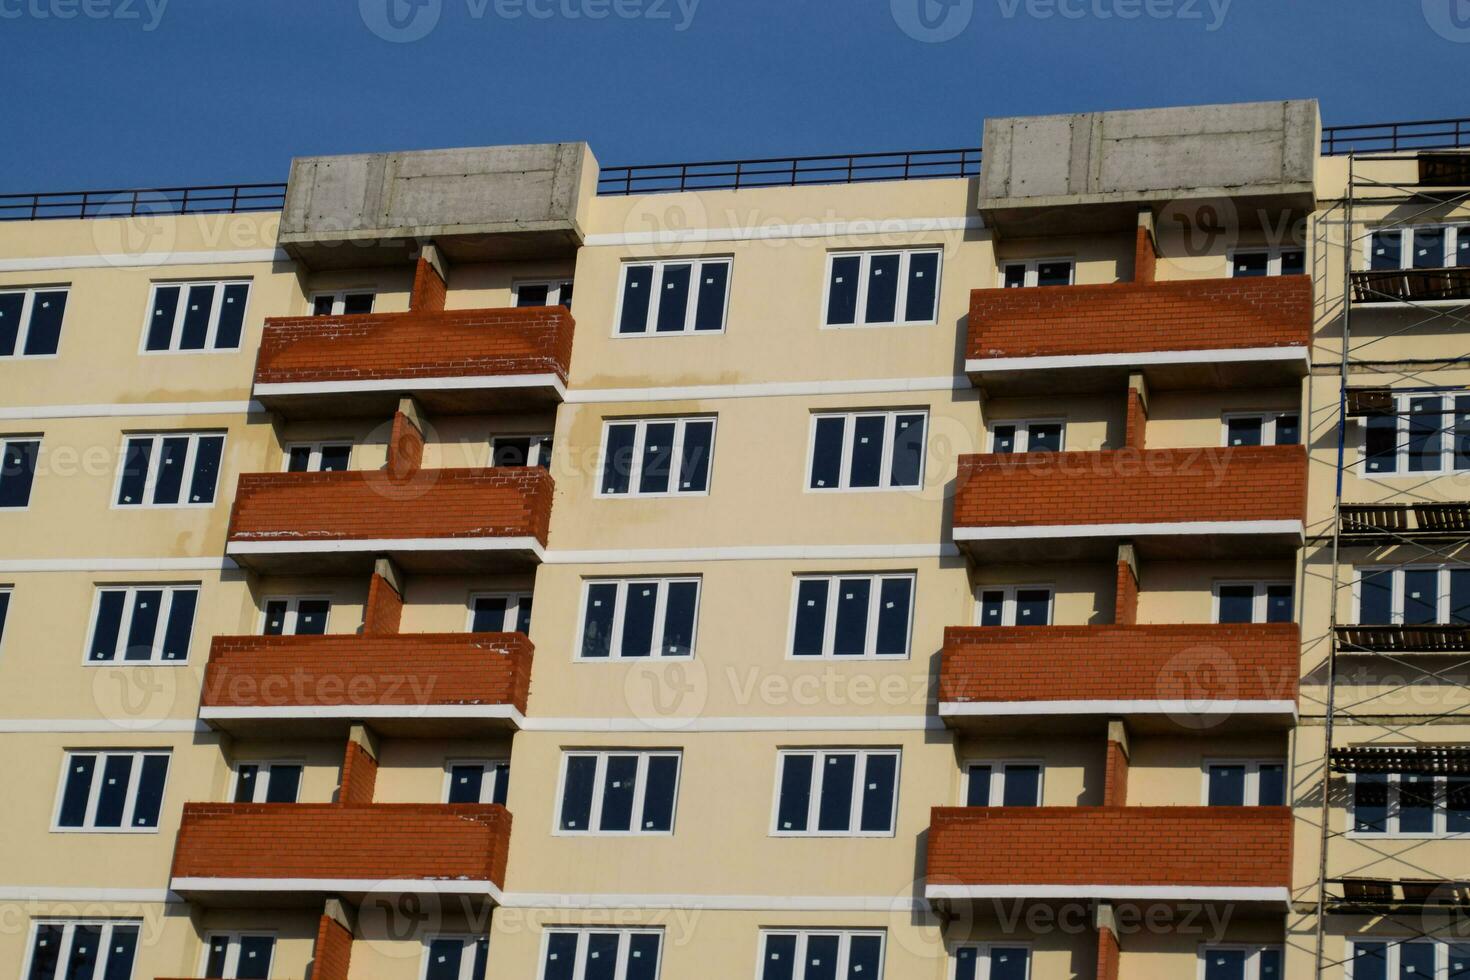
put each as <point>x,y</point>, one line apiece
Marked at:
<point>864,957</point>
<point>4,611</point>
<point>143,627</point>
<point>834,810</point>
<point>638,613</point>
<point>173,453</point>
<point>617,793</point>
<point>842,291</point>
<point>1224,964</point>
<point>11,307</point>
<point>1457,806</point>
<point>255,957</point>
<point>851,638</point>
<point>1370,804</point>
<point>465,783</point>
<point>1459,957</point>
<point>695,456</point>
<point>311,616</point>
<point>1237,603</point>
<point>206,469</point>
<point>180,624</point>
<point>602,956</point>
<point>1033,607</point>
<point>1045,438</point>
<point>709,311</point>
<point>977,786</point>
<point>1227,786</point>
<point>561,956</point>
<point>576,797</point>
<point>1370,961</point>
<point>1385,251</point>
<point>598,621</point>
<point>79,773</point>
<point>285,784</point>
<point>112,795</point>
<point>1421,596</point>
<point>827,453</point>
<point>444,959</point>
<point>1278,604</point>
<point>1416,961</point>
<point>659,794</point>
<point>679,616</point>
<point>780,958</point>
<point>108,626</point>
<point>811,617</point>
<point>1428,248</point>
<point>796,793</point>
<point>18,472</point>
<point>153,771</point>
<point>882,289</point>
<point>120,952</point>
<point>1293,262</point>
<point>46,951</point>
<point>867,451</point>
<point>923,281</point>
<point>161,319</point>
<point>617,465</point>
<point>908,451</point>
<point>658,457</point>
<point>199,305</point>
<point>1053,273</point>
<point>1251,264</point>
<point>821,957</point>
<point>1271,789</point>
<point>1288,430</point>
<point>643,953</point>
<point>489,615</point>
<point>1461,426</point>
<point>246,777</point>
<point>967,964</point>
<point>893,617</point>
<point>880,782</point>
<point>1375,598</point>
<point>1416,804</point>
<point>1022,786</point>
<point>231,316</point>
<point>673,298</point>
<point>1425,436</point>
<point>1243,431</point>
<point>637,289</point>
<point>86,952</point>
<point>1380,444</point>
<point>992,607</point>
<point>1008,963</point>
<point>1003,439</point>
<point>502,782</point>
<point>45,334</point>
<point>523,615</point>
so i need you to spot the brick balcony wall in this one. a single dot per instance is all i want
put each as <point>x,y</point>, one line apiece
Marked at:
<point>1127,846</point>
<point>1131,317</point>
<point>399,841</point>
<point>1165,662</point>
<point>418,344</point>
<point>409,669</point>
<point>1126,486</point>
<point>355,504</point>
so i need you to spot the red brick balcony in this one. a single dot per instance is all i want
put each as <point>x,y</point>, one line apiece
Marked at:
<point>452,360</point>
<point>1211,502</point>
<point>409,684</point>
<point>231,851</point>
<point>1184,334</point>
<point>1123,852</point>
<point>1171,676</point>
<point>433,521</point>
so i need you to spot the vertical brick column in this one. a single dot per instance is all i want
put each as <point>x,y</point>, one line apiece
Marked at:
<point>359,768</point>
<point>384,611</point>
<point>1145,251</point>
<point>429,288</point>
<point>1136,422</point>
<point>333,950</point>
<point>1107,942</point>
<point>1115,766</point>
<point>405,448</point>
<point>1125,592</point>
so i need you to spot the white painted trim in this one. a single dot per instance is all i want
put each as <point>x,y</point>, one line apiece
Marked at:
<point>349,546</point>
<point>778,552</point>
<point>129,410</point>
<point>715,903</point>
<point>45,893</point>
<point>284,388</point>
<point>776,723</point>
<point>805,229</point>
<point>770,389</point>
<point>100,726</point>
<point>349,711</point>
<point>1203,706</point>
<point>1138,359</point>
<point>1192,893</point>
<point>123,260</point>
<point>22,565</point>
<point>1126,530</point>
<point>436,886</point>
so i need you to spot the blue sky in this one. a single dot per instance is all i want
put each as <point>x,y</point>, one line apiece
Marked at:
<point>125,93</point>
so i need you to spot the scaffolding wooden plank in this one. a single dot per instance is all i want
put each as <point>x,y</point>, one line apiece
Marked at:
<point>1404,639</point>
<point>1411,285</point>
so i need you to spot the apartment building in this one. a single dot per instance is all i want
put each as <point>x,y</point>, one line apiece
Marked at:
<point>1045,569</point>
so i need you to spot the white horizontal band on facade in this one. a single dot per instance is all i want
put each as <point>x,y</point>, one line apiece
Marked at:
<point>142,259</point>
<point>799,229</point>
<point>101,726</point>
<point>716,903</point>
<point>1137,359</point>
<point>421,886</point>
<point>1126,530</point>
<point>1005,709</point>
<point>21,565</point>
<point>779,552</point>
<point>43,893</point>
<point>1161,893</point>
<point>348,712</point>
<point>395,385</point>
<point>352,546</point>
<point>675,725</point>
<point>129,410</point>
<point>771,389</point>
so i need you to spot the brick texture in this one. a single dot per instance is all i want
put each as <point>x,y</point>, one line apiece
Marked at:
<point>1136,422</point>
<point>1107,955</point>
<point>1145,256</point>
<point>409,669</point>
<point>460,503</point>
<point>333,951</point>
<point>1127,317</point>
<point>417,344</point>
<point>1114,486</point>
<point>405,448</point>
<point>359,776</point>
<point>384,612</point>
<point>1165,661</point>
<point>1134,845</point>
<point>429,288</point>
<point>1125,596</point>
<point>1115,775</point>
<point>398,841</point>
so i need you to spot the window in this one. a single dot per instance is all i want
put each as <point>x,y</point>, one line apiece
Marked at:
<point>1403,959</point>
<point>17,470</point>
<point>318,457</point>
<point>1419,247</point>
<point>1253,602</point>
<point>1036,272</point>
<point>1247,783</point>
<point>683,296</point>
<point>174,469</point>
<point>852,615</point>
<point>1258,429</point>
<point>544,292</point>
<point>1009,783</point>
<point>295,616</point>
<point>602,954</point>
<point>239,955</point>
<point>4,609</point>
<point>991,962</point>
<point>867,451</point>
<point>1268,262</point>
<point>645,617</point>
<point>82,949</point>
<point>1411,804</point>
<point>882,288</point>
<point>1426,434</point>
<point>1027,437</point>
<point>194,316</point>
<point>521,451</point>
<point>456,957</point>
<point>505,612</point>
<point>1013,605</point>
<point>143,624</point>
<point>657,457</point>
<point>111,791</point>
<point>821,955</point>
<point>1242,963</point>
<point>474,781</point>
<point>349,302</point>
<point>629,792</point>
<point>267,782</point>
<point>1414,595</point>
<point>30,321</point>
<point>837,792</point>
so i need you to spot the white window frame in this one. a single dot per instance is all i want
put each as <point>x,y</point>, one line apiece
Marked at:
<point>1441,812</point>
<point>5,441</point>
<point>339,300</point>
<point>640,789</point>
<point>1273,255</point>
<point>844,948</point>
<point>1032,267</point>
<point>1407,234</point>
<point>1260,602</point>
<point>539,442</point>
<point>68,938</point>
<point>829,626</point>
<point>27,312</point>
<point>1252,960</point>
<point>982,957</point>
<point>676,460</point>
<point>293,602</point>
<point>488,784</point>
<point>155,462</point>
<point>1393,962</point>
<point>1442,608</point>
<point>232,938</point>
<point>554,286</point>
<point>995,792</point>
<point>263,778</point>
<point>1401,418</point>
<point>655,300</point>
<point>94,794</point>
<point>1252,778</point>
<point>625,948</point>
<point>469,942</point>
<point>819,770</point>
<point>216,309</point>
<point>1023,433</point>
<point>620,605</point>
<point>317,446</point>
<point>885,463</point>
<point>130,598</point>
<point>900,304</point>
<point>513,602</point>
<point>1008,609</point>
<point>1268,424</point>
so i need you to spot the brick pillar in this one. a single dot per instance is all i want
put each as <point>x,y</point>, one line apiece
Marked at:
<point>405,448</point>
<point>429,287</point>
<point>1145,254</point>
<point>333,949</point>
<point>1107,942</point>
<point>1137,419</point>
<point>384,611</point>
<point>359,768</point>
<point>1115,768</point>
<point>1125,593</point>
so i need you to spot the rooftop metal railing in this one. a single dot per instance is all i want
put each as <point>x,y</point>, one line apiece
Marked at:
<point>132,202</point>
<point>852,168</point>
